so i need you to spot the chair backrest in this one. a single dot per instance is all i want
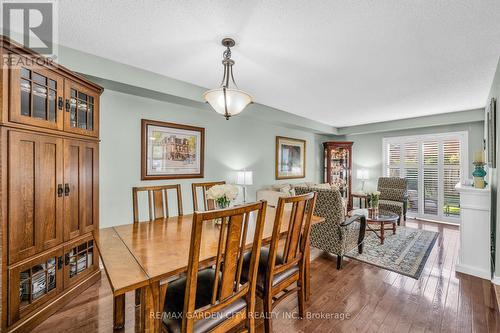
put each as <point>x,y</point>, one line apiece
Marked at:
<point>392,188</point>
<point>328,204</point>
<point>226,288</point>
<point>299,227</point>
<point>391,182</point>
<point>157,200</point>
<point>207,204</point>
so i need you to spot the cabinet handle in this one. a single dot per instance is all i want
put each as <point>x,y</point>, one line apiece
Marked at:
<point>60,103</point>
<point>67,105</point>
<point>59,262</point>
<point>66,189</point>
<point>59,190</point>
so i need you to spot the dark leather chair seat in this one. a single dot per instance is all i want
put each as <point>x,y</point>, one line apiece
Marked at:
<point>174,303</point>
<point>261,277</point>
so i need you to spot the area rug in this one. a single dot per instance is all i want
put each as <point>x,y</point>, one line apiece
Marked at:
<point>405,253</point>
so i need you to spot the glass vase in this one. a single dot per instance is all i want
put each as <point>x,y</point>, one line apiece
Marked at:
<point>221,204</point>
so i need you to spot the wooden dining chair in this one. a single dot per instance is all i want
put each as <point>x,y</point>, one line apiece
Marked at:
<point>279,271</point>
<point>208,204</point>
<point>157,200</point>
<point>213,299</point>
<point>158,208</point>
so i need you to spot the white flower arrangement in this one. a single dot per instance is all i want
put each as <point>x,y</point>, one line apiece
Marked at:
<point>222,194</point>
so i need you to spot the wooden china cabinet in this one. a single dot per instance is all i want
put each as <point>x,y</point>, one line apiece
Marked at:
<point>338,165</point>
<point>49,186</point>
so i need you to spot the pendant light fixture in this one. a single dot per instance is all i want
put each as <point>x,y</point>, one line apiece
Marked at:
<point>227,100</point>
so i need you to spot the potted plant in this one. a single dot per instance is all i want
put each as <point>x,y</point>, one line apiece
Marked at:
<point>373,197</point>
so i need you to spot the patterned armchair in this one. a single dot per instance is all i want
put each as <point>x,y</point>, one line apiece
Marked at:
<point>336,235</point>
<point>393,196</point>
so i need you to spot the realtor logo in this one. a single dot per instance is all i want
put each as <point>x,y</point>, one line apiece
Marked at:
<point>30,23</point>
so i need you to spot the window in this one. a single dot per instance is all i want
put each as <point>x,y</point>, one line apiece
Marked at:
<point>432,166</point>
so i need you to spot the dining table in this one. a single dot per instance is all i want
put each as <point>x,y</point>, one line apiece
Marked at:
<point>146,256</point>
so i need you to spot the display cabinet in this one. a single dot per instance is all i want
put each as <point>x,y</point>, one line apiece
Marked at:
<point>338,165</point>
<point>49,186</point>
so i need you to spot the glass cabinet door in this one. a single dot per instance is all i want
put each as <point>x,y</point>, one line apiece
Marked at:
<point>34,283</point>
<point>36,97</point>
<point>82,109</point>
<point>340,168</point>
<point>80,259</point>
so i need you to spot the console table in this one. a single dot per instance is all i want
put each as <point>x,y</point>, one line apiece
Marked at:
<point>474,255</point>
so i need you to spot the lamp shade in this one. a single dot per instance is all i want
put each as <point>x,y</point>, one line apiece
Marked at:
<point>244,178</point>
<point>227,102</point>
<point>362,174</point>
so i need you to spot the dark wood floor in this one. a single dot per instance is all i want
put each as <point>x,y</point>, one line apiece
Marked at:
<point>359,298</point>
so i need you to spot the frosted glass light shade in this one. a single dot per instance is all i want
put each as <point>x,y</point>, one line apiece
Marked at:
<point>244,178</point>
<point>362,174</point>
<point>236,100</point>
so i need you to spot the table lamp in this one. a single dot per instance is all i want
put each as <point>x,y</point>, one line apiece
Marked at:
<point>244,178</point>
<point>362,175</point>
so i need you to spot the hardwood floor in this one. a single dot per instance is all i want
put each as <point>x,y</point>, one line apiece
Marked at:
<point>359,298</point>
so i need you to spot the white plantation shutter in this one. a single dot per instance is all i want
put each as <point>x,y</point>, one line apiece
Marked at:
<point>411,172</point>
<point>394,160</point>
<point>432,166</point>
<point>411,175</point>
<point>431,191</point>
<point>451,170</point>
<point>411,154</point>
<point>431,181</point>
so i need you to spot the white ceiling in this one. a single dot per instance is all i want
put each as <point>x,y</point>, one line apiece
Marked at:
<point>338,62</point>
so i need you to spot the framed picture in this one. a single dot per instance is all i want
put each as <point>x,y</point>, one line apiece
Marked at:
<point>491,118</point>
<point>290,158</point>
<point>171,151</point>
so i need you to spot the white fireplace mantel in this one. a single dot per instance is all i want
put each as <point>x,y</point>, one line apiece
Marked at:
<point>474,256</point>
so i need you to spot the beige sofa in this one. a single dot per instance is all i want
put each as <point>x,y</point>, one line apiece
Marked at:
<point>272,193</point>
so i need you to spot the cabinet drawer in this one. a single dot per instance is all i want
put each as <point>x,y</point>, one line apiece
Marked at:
<point>33,283</point>
<point>80,260</point>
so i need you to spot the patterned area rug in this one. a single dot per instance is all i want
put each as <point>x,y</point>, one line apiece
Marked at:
<point>405,253</point>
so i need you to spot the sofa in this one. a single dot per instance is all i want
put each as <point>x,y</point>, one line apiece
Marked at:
<point>273,192</point>
<point>337,235</point>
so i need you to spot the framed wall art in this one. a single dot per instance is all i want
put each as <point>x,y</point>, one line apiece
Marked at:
<point>491,119</point>
<point>290,158</point>
<point>171,151</point>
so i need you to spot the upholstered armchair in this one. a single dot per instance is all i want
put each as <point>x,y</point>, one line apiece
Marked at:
<point>393,196</point>
<point>337,235</point>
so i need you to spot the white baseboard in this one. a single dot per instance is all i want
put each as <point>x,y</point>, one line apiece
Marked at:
<point>496,280</point>
<point>470,270</point>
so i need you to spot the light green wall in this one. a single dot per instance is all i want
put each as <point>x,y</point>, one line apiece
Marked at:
<point>442,119</point>
<point>367,148</point>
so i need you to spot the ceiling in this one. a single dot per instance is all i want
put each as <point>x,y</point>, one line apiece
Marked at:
<point>341,63</point>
